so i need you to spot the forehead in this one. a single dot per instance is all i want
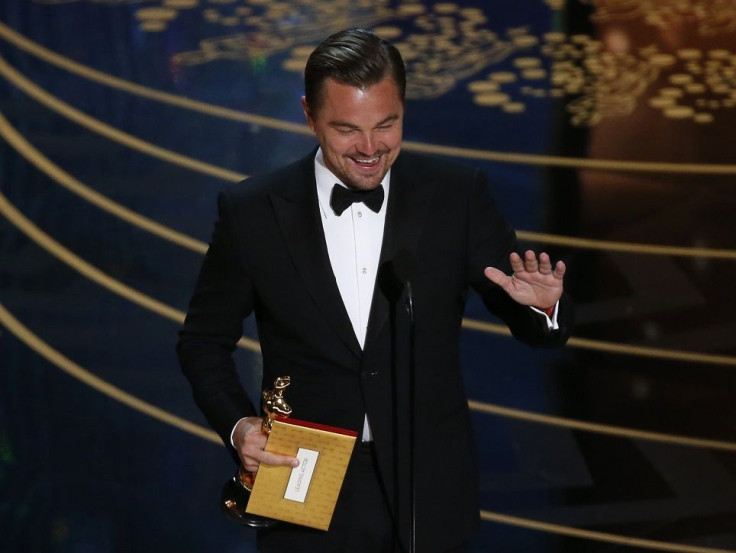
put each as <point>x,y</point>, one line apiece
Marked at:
<point>340,99</point>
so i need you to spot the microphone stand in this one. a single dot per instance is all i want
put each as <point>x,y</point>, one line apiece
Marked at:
<point>412,417</point>
<point>397,279</point>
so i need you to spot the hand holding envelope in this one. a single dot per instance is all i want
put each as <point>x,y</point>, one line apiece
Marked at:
<point>300,467</point>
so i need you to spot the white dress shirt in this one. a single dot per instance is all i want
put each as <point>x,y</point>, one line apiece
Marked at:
<point>354,241</point>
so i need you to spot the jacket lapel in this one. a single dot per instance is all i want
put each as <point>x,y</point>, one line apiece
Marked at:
<point>297,211</point>
<point>406,212</point>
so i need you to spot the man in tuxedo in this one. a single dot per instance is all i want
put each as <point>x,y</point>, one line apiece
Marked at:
<point>320,251</point>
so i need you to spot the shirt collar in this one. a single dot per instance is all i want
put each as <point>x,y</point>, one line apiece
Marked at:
<point>326,180</point>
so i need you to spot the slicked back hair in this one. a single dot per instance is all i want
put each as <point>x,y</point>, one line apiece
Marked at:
<point>355,57</point>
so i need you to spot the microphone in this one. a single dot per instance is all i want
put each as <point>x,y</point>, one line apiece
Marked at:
<point>403,268</point>
<point>395,274</point>
<point>394,277</point>
<point>404,265</point>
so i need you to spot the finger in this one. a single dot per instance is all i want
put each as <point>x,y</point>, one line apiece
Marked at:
<point>560,269</point>
<point>252,458</point>
<point>545,264</point>
<point>530,262</point>
<point>497,277</point>
<point>251,466</point>
<point>269,458</point>
<point>255,441</point>
<point>244,428</point>
<point>251,446</point>
<point>517,265</point>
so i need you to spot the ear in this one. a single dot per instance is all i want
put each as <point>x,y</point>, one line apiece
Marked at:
<point>307,113</point>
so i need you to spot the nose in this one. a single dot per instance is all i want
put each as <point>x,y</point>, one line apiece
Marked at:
<point>367,144</point>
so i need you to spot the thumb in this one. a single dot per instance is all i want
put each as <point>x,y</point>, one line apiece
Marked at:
<point>496,276</point>
<point>269,458</point>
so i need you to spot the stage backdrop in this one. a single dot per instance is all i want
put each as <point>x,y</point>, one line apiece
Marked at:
<point>607,130</point>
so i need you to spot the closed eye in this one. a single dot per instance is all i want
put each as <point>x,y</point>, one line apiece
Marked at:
<point>345,130</point>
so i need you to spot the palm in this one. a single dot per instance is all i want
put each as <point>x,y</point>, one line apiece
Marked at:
<point>534,281</point>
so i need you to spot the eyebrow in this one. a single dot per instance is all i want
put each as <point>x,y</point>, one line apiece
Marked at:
<point>389,119</point>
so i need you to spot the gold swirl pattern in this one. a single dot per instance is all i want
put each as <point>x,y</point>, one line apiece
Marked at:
<point>445,44</point>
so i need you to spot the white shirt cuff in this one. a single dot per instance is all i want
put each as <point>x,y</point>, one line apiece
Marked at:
<point>551,321</point>
<point>232,432</point>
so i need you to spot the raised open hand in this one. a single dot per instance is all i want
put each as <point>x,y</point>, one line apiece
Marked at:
<point>534,281</point>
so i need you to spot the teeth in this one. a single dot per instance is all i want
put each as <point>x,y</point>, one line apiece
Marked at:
<point>367,161</point>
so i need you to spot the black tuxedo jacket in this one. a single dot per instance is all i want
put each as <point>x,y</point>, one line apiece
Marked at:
<point>268,256</point>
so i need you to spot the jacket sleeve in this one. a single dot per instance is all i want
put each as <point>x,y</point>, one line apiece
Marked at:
<point>490,241</point>
<point>222,298</point>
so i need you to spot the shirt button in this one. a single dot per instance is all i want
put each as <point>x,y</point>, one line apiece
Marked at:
<point>360,213</point>
<point>364,271</point>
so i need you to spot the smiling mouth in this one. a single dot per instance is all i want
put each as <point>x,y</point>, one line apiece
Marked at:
<point>367,162</point>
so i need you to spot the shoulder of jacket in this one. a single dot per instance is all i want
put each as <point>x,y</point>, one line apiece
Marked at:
<point>430,165</point>
<point>261,185</point>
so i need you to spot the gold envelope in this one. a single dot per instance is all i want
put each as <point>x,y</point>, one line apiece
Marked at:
<point>307,494</point>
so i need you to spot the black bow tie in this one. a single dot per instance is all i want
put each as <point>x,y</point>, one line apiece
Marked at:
<point>342,198</point>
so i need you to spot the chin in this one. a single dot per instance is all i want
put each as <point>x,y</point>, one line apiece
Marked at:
<point>365,185</point>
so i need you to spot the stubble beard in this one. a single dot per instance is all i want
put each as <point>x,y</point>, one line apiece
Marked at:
<point>369,182</point>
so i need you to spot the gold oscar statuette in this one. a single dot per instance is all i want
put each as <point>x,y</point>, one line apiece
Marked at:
<point>236,491</point>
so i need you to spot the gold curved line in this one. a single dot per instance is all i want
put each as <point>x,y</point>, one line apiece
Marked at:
<point>102,279</point>
<point>94,274</point>
<point>17,141</point>
<point>595,428</point>
<point>11,135</point>
<point>627,247</point>
<point>74,370</point>
<point>573,162</point>
<point>20,144</point>
<point>596,536</point>
<point>643,351</point>
<point>117,394</point>
<point>147,148</point>
<point>110,132</point>
<point>166,417</point>
<point>86,72</point>
<point>71,368</point>
<point>610,347</point>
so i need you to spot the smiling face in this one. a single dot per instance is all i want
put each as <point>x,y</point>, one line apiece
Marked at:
<point>359,130</point>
